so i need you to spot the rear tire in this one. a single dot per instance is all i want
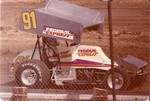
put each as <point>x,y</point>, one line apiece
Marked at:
<point>122,79</point>
<point>32,74</point>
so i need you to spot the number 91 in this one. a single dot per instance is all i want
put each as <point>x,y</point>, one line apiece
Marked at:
<point>29,20</point>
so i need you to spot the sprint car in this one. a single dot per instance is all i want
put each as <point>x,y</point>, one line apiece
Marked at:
<point>70,63</point>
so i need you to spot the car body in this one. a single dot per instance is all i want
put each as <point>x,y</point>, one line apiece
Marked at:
<point>49,62</point>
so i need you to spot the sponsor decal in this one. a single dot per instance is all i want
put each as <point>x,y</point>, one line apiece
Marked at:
<point>58,33</point>
<point>87,52</point>
<point>65,54</point>
<point>21,59</point>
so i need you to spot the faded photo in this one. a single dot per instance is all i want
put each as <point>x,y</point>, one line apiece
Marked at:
<point>52,50</point>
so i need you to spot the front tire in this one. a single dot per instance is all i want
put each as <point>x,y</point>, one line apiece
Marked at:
<point>122,79</point>
<point>32,74</point>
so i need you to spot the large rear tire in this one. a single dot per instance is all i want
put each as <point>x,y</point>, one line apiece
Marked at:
<point>122,79</point>
<point>32,74</point>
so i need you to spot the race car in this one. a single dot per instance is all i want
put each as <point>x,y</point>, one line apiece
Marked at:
<point>70,63</point>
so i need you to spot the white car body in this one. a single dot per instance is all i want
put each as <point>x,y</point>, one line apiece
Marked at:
<point>71,58</point>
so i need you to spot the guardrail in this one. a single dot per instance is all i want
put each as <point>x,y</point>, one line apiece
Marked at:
<point>97,94</point>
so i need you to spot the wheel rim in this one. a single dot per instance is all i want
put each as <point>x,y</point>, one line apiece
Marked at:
<point>119,81</point>
<point>29,77</point>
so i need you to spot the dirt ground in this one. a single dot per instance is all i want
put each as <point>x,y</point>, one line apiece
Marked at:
<point>131,31</point>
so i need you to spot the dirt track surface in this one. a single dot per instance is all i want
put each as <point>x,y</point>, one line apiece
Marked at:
<point>131,31</point>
